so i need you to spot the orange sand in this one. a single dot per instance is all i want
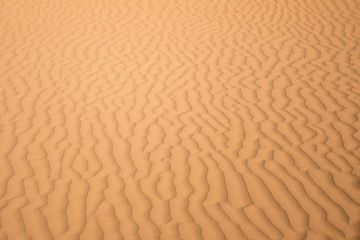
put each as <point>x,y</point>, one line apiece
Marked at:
<point>179,119</point>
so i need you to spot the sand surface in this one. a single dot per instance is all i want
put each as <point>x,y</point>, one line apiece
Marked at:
<point>179,119</point>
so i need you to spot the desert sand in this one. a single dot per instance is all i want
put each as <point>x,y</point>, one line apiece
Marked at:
<point>179,119</point>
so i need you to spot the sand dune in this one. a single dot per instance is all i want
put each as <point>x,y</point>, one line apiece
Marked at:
<point>179,119</point>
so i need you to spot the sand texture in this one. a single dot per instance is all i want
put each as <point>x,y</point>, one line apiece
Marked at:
<point>179,119</point>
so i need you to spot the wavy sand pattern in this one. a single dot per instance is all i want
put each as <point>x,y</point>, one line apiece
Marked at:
<point>179,119</point>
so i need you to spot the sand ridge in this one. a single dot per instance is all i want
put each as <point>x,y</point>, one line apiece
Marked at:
<point>179,119</point>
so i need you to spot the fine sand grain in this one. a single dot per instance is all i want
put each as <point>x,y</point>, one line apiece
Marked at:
<point>179,119</point>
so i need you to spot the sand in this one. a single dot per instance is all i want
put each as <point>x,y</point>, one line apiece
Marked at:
<point>179,119</point>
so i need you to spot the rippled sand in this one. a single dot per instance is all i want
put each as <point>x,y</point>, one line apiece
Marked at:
<point>179,119</point>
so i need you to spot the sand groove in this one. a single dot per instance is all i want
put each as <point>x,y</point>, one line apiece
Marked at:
<point>180,119</point>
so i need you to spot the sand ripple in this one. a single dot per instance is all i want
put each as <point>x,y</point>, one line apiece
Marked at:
<point>179,119</point>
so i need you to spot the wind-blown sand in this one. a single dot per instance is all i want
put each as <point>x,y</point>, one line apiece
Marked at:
<point>179,119</point>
